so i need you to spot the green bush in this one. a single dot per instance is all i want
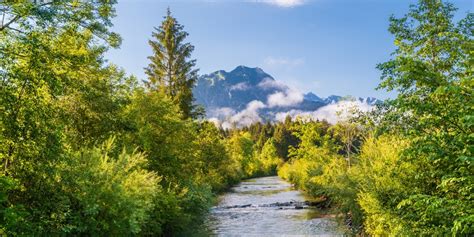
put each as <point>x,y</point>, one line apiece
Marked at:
<point>382,179</point>
<point>108,195</point>
<point>215,166</point>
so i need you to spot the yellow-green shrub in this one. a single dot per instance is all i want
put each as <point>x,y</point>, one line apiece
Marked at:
<point>107,195</point>
<point>382,179</point>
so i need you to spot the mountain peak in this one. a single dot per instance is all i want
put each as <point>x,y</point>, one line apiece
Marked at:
<point>312,97</point>
<point>246,69</point>
<point>241,67</point>
<point>247,74</point>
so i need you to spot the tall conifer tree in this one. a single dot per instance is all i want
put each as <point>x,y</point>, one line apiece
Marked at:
<point>171,70</point>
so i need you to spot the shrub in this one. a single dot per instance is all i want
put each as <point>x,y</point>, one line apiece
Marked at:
<point>108,195</point>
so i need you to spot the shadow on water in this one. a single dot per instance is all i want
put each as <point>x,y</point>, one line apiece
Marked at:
<point>266,206</point>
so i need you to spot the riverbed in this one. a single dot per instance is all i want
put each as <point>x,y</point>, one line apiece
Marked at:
<point>268,206</point>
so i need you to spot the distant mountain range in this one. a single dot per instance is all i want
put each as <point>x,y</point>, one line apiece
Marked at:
<point>251,95</point>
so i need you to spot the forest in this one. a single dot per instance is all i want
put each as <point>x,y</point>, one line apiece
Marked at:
<point>88,150</point>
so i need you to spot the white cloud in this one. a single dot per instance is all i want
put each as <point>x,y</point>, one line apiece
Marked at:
<point>269,83</point>
<point>283,3</point>
<point>286,62</point>
<point>332,113</point>
<point>286,98</point>
<point>255,105</point>
<point>222,113</point>
<point>226,125</point>
<point>227,118</point>
<point>242,86</point>
<point>215,121</point>
<point>249,115</point>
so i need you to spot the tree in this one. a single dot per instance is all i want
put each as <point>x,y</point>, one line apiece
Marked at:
<point>45,49</point>
<point>347,130</point>
<point>170,69</point>
<point>20,18</point>
<point>240,148</point>
<point>94,111</point>
<point>284,138</point>
<point>158,130</point>
<point>48,51</point>
<point>269,157</point>
<point>431,70</point>
<point>348,133</point>
<point>214,163</point>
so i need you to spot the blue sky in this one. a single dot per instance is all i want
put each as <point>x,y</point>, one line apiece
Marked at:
<point>324,46</point>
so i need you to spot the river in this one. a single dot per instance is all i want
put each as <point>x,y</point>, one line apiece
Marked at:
<point>267,206</point>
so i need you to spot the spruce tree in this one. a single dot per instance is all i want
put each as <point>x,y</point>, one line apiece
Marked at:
<point>171,70</point>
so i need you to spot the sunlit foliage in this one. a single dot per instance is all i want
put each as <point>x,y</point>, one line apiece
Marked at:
<point>87,150</point>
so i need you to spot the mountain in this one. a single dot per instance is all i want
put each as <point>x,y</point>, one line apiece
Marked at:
<point>312,97</point>
<point>234,89</point>
<point>247,93</point>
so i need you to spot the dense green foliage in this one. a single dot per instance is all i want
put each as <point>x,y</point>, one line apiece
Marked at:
<point>431,70</point>
<point>92,180</point>
<point>87,150</point>
<point>409,168</point>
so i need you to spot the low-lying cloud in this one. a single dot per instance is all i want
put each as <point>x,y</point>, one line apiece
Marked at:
<point>269,84</point>
<point>332,113</point>
<point>285,98</point>
<point>242,86</point>
<point>222,113</point>
<point>228,118</point>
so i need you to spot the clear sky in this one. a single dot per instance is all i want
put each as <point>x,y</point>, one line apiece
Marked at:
<point>324,46</point>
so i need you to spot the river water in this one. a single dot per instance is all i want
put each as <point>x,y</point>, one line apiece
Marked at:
<point>267,206</point>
